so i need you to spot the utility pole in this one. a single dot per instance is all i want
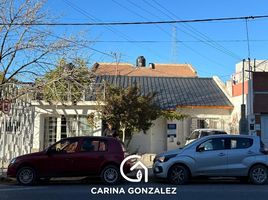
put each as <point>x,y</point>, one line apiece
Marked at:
<point>174,45</point>
<point>243,121</point>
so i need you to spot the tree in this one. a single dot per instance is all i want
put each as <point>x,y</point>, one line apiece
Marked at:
<point>67,82</point>
<point>127,110</point>
<point>27,51</point>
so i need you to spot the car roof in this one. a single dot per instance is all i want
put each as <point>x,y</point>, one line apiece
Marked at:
<point>230,136</point>
<point>208,129</point>
<point>91,137</point>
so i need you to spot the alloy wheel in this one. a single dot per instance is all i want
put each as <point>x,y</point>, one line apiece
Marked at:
<point>110,174</point>
<point>26,176</point>
<point>259,175</point>
<point>178,175</point>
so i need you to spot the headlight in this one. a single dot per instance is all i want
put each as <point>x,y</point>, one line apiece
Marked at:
<point>165,158</point>
<point>161,159</point>
<point>13,161</point>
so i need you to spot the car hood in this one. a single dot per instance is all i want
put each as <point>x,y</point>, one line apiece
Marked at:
<point>32,154</point>
<point>170,152</point>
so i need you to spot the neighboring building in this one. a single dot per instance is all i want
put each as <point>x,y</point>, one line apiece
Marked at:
<point>234,88</point>
<point>259,119</point>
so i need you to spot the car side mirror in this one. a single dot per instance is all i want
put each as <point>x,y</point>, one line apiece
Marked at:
<point>200,149</point>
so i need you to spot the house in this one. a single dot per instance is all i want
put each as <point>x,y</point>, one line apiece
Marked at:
<point>178,88</point>
<point>200,98</point>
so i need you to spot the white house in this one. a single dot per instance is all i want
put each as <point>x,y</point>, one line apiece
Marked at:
<point>203,99</point>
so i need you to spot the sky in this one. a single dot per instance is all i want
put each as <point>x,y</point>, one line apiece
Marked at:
<point>213,48</point>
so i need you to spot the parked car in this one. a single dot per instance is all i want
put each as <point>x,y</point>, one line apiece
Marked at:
<point>72,157</point>
<point>215,156</point>
<point>198,133</point>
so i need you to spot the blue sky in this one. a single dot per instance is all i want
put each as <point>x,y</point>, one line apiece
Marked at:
<point>155,42</point>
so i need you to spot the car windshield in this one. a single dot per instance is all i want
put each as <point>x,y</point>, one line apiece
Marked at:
<point>194,135</point>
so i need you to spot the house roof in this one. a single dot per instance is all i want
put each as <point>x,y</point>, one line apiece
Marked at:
<point>174,92</point>
<point>158,70</point>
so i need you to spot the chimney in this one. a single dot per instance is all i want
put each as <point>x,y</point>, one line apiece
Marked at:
<point>151,65</point>
<point>140,62</point>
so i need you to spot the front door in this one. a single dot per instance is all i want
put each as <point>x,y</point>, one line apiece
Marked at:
<point>211,158</point>
<point>264,129</point>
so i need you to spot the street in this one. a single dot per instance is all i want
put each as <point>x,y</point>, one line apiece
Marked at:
<point>77,190</point>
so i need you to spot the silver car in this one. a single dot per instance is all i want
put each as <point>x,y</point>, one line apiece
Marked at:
<point>215,155</point>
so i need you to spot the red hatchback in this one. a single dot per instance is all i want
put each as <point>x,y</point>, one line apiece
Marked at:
<point>72,157</point>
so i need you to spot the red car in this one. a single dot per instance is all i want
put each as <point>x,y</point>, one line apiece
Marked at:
<point>72,157</point>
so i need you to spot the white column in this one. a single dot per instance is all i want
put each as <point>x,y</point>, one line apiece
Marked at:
<point>58,131</point>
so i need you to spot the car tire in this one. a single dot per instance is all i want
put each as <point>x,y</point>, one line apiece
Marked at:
<point>258,175</point>
<point>178,175</point>
<point>26,176</point>
<point>110,174</point>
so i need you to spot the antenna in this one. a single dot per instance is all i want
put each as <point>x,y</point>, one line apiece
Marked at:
<point>174,45</point>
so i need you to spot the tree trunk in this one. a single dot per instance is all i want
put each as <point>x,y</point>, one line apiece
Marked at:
<point>123,134</point>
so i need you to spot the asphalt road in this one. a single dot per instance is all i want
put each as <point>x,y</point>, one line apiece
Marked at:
<point>77,190</point>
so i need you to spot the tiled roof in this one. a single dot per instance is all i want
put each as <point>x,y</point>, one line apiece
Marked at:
<point>173,92</point>
<point>159,70</point>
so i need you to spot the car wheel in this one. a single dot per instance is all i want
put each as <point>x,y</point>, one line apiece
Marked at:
<point>110,174</point>
<point>178,175</point>
<point>26,176</point>
<point>258,174</point>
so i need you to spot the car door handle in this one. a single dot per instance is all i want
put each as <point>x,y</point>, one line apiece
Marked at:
<point>221,154</point>
<point>250,152</point>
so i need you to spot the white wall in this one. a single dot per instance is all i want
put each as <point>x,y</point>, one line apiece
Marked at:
<point>155,140</point>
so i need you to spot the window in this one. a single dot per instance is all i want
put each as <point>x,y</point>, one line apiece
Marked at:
<point>213,144</point>
<point>206,133</point>
<point>89,145</point>
<point>240,143</point>
<point>201,123</point>
<point>65,146</point>
<point>50,131</point>
<point>84,127</point>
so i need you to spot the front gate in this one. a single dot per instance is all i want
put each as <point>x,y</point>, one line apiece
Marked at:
<point>16,126</point>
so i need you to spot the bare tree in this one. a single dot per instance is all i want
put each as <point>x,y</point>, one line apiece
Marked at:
<point>27,50</point>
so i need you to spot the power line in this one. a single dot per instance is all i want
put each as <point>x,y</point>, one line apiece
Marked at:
<point>117,33</point>
<point>178,41</point>
<point>133,23</point>
<point>194,31</point>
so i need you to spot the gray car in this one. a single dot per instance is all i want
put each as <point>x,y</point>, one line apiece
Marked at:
<point>216,155</point>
